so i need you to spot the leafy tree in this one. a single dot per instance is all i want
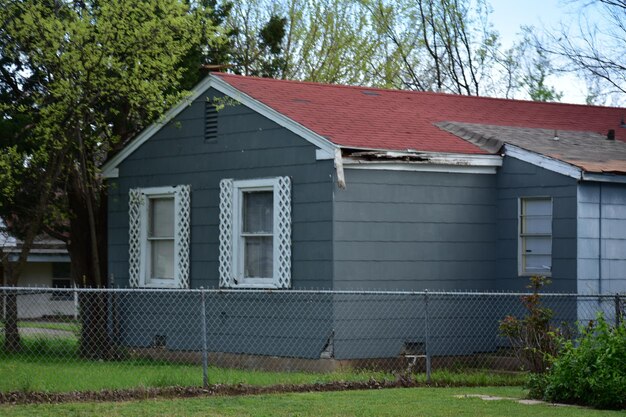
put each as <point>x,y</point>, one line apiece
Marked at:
<point>534,80</point>
<point>256,46</point>
<point>77,80</point>
<point>332,41</point>
<point>216,41</point>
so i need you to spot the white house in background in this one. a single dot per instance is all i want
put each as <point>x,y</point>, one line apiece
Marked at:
<point>48,266</point>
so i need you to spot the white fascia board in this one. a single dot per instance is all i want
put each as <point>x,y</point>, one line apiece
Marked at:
<point>40,257</point>
<point>436,162</point>
<point>110,169</point>
<point>322,143</point>
<point>543,161</point>
<point>607,177</point>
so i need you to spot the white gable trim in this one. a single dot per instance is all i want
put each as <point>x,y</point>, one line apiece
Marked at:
<point>110,169</point>
<point>543,161</point>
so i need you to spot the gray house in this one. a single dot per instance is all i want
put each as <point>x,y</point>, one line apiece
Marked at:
<point>265,184</point>
<point>47,266</point>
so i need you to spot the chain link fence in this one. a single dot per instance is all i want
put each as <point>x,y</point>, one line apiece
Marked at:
<point>205,333</point>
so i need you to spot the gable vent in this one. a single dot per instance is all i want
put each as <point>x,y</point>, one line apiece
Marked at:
<point>210,122</point>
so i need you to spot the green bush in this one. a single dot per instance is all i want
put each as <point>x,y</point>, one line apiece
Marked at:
<point>533,338</point>
<point>589,371</point>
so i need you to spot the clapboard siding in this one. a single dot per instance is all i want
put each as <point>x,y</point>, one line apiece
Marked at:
<point>518,179</point>
<point>415,230</point>
<point>601,238</point>
<point>248,146</point>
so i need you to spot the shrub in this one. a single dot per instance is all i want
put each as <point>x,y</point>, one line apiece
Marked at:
<point>589,371</point>
<point>533,338</point>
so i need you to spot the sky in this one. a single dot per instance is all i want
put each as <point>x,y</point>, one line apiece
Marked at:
<point>509,15</point>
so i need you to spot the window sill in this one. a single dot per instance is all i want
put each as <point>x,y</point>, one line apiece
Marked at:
<point>252,287</point>
<point>169,286</point>
<point>532,274</point>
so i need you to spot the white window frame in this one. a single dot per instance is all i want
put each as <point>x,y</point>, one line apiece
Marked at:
<point>231,247</point>
<point>145,262</point>
<point>521,264</point>
<point>239,188</point>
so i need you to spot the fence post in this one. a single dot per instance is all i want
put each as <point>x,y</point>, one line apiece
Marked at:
<point>75,294</point>
<point>427,336</point>
<point>205,348</point>
<point>618,310</point>
<point>4,303</point>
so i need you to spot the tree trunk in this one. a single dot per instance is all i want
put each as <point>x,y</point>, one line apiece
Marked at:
<point>95,339</point>
<point>12,342</point>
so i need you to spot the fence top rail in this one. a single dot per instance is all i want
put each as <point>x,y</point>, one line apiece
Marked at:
<point>301,291</point>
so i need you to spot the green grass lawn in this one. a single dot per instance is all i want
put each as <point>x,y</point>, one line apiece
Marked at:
<point>52,365</point>
<point>64,376</point>
<point>427,402</point>
<point>69,326</point>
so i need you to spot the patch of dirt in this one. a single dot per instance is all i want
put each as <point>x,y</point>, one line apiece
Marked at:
<point>21,397</point>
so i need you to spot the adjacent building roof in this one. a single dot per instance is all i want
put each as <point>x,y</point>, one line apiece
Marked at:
<point>589,151</point>
<point>44,248</point>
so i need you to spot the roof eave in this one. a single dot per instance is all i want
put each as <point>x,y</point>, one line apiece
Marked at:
<point>423,161</point>
<point>604,177</point>
<point>561,167</point>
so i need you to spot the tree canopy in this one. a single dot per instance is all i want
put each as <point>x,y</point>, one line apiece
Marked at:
<point>77,79</point>
<point>595,49</point>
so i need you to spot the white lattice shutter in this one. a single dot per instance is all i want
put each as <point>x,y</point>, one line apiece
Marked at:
<point>283,234</point>
<point>135,202</point>
<point>182,234</point>
<point>226,233</point>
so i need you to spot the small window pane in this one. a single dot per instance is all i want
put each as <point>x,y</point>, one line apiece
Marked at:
<point>162,258</point>
<point>538,263</point>
<point>258,212</point>
<point>161,217</point>
<point>61,270</point>
<point>538,245</point>
<point>258,257</point>
<point>538,207</point>
<point>538,225</point>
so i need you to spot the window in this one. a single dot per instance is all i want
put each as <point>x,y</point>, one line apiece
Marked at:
<point>535,236</point>
<point>160,240</point>
<point>159,237</point>
<point>255,233</point>
<point>61,279</point>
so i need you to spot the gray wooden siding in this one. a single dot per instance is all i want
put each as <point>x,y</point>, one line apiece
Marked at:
<point>274,324</point>
<point>414,231</point>
<point>398,230</point>
<point>248,146</point>
<point>601,238</point>
<point>517,179</point>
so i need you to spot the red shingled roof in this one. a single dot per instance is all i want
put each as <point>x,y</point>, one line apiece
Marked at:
<point>359,117</point>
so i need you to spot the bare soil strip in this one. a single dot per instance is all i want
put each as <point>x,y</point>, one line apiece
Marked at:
<point>22,397</point>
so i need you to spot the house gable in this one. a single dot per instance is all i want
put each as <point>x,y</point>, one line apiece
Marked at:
<point>248,146</point>
<point>326,148</point>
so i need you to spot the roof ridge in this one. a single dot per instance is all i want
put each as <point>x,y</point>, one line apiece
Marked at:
<point>416,92</point>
